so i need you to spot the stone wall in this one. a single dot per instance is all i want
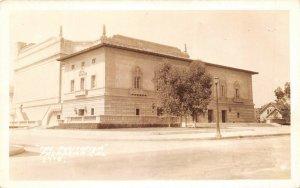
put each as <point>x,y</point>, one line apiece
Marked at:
<point>120,65</point>
<point>71,108</point>
<point>90,68</point>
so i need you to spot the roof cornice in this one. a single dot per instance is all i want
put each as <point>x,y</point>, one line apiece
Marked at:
<point>103,44</point>
<point>123,48</point>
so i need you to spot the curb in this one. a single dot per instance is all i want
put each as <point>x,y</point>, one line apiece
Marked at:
<point>253,136</point>
<point>191,139</point>
<point>15,150</point>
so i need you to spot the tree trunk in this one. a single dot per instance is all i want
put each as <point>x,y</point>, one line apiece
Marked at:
<point>186,121</point>
<point>169,121</point>
<point>180,121</point>
<point>195,119</point>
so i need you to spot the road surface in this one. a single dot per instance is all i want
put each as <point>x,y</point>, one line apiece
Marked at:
<point>247,158</point>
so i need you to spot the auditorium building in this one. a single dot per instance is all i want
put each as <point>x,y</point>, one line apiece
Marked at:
<point>109,83</point>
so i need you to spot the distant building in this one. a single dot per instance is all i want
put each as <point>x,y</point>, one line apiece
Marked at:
<point>11,96</point>
<point>270,113</point>
<point>257,114</point>
<point>110,82</point>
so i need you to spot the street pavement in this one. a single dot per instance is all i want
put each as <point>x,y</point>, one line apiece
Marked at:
<point>151,153</point>
<point>152,133</point>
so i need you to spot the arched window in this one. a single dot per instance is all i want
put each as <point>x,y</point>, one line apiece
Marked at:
<point>237,93</point>
<point>137,82</point>
<point>236,89</point>
<point>82,83</point>
<point>137,78</point>
<point>223,88</point>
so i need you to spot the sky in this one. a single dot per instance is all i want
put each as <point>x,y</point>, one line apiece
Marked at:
<point>256,40</point>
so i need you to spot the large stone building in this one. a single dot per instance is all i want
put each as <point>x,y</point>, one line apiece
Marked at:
<point>110,82</point>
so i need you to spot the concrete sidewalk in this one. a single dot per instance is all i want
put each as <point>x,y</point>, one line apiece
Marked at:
<point>156,134</point>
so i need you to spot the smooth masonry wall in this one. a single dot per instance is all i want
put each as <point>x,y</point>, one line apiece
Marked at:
<point>236,101</point>
<point>36,79</point>
<point>86,67</point>
<point>121,98</point>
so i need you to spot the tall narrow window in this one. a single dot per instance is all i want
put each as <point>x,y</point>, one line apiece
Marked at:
<point>94,61</point>
<point>72,67</point>
<point>237,89</point>
<point>72,85</point>
<point>137,81</point>
<point>222,90</point>
<point>137,78</point>
<point>82,84</point>
<point>137,112</point>
<point>92,111</point>
<point>238,115</point>
<point>237,93</point>
<point>82,64</point>
<point>93,81</point>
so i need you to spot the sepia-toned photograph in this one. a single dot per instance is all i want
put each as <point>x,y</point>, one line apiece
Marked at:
<point>151,95</point>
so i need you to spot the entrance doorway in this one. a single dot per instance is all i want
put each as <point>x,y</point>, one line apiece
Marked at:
<point>224,113</point>
<point>195,117</point>
<point>210,116</point>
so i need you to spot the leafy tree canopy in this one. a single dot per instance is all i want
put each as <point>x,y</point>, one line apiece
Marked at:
<point>183,91</point>
<point>283,100</point>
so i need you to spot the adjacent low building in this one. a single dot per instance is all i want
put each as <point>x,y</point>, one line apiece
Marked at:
<point>109,83</point>
<point>271,113</point>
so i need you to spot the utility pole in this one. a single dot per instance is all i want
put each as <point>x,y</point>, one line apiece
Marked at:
<point>217,101</point>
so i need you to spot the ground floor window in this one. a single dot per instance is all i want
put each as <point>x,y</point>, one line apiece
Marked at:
<point>238,115</point>
<point>159,111</point>
<point>81,112</point>
<point>58,116</point>
<point>137,112</point>
<point>210,116</point>
<point>224,116</point>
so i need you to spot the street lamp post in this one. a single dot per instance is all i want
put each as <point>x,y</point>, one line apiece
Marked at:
<point>217,100</point>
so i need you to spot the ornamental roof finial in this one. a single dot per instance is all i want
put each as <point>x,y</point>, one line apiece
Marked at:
<point>103,37</point>
<point>104,31</point>
<point>60,31</point>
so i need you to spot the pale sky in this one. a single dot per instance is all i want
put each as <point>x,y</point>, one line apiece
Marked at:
<point>252,40</point>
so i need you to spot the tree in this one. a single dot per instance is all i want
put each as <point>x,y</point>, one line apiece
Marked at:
<point>170,87</point>
<point>199,83</point>
<point>183,92</point>
<point>283,101</point>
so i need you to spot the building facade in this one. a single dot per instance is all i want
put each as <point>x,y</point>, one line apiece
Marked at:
<point>110,82</point>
